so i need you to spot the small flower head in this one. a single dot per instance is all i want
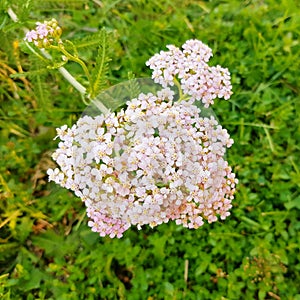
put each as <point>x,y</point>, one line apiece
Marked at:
<point>44,34</point>
<point>198,80</point>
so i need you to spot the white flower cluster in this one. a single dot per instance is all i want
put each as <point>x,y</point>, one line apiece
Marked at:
<point>155,161</point>
<point>197,78</point>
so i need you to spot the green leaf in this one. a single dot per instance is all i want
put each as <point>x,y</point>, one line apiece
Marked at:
<point>88,41</point>
<point>34,282</point>
<point>52,243</point>
<point>24,228</point>
<point>99,73</point>
<point>169,288</point>
<point>293,204</point>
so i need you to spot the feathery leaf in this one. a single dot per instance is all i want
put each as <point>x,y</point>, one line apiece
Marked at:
<point>100,70</point>
<point>88,41</point>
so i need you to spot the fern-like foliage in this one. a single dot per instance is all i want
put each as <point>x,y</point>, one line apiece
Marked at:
<point>59,4</point>
<point>88,41</point>
<point>134,86</point>
<point>100,71</point>
<point>21,11</point>
<point>39,78</point>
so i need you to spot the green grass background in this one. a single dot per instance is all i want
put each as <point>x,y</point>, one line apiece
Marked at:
<point>47,250</point>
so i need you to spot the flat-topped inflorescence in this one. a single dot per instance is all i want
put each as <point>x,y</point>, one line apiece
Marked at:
<point>155,161</point>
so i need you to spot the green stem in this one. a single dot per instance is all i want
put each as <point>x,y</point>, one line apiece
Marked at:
<point>73,58</point>
<point>35,53</point>
<point>66,75</point>
<point>179,88</point>
<point>182,96</point>
<point>62,70</point>
<point>101,106</point>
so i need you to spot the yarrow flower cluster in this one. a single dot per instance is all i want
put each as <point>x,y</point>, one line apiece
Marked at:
<point>197,78</point>
<point>154,162</point>
<point>157,159</point>
<point>44,34</point>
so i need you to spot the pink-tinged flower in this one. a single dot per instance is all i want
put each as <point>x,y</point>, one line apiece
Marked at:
<point>198,80</point>
<point>156,161</point>
<point>31,36</point>
<point>44,34</point>
<point>43,30</point>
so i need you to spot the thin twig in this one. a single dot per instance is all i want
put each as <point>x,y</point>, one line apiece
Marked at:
<point>186,270</point>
